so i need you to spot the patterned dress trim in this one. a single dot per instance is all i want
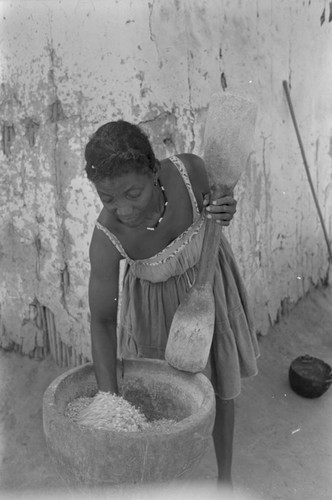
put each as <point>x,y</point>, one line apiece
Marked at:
<point>183,171</point>
<point>187,239</point>
<point>113,239</point>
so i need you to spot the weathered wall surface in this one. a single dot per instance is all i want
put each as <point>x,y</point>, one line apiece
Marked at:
<point>66,67</point>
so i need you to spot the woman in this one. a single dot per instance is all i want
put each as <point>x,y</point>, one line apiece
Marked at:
<point>153,217</point>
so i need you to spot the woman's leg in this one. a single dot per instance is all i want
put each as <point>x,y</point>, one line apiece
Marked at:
<point>223,433</point>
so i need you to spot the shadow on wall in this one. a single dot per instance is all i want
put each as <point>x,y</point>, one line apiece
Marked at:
<point>41,339</point>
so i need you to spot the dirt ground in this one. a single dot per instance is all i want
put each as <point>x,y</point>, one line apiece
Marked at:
<point>283,442</point>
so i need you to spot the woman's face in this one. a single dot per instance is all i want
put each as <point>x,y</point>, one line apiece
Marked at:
<point>129,198</point>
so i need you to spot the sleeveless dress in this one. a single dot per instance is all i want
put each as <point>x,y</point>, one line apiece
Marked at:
<point>150,291</point>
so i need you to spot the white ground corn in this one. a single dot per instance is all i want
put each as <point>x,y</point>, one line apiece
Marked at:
<point>111,412</point>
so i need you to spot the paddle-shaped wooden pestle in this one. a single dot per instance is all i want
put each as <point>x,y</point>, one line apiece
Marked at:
<point>227,145</point>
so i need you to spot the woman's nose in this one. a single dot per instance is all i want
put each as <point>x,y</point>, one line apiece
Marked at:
<point>123,210</point>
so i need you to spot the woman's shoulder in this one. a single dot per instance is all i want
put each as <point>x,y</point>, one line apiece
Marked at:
<point>104,258</point>
<point>196,170</point>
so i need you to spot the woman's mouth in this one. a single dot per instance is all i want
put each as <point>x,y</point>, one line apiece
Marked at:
<point>128,220</point>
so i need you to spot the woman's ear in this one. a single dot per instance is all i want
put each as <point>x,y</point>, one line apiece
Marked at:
<point>157,166</point>
<point>155,172</point>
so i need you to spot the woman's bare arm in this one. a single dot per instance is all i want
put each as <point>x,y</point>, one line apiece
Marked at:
<point>103,301</point>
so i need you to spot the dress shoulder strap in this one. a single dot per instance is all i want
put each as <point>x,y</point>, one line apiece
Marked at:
<point>113,239</point>
<point>184,174</point>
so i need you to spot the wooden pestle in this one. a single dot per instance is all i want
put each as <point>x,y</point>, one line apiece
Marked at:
<point>228,136</point>
<point>192,328</point>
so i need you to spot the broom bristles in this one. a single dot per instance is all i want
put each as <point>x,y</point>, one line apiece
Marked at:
<point>228,137</point>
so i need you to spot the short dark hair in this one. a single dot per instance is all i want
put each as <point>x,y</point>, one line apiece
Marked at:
<point>117,148</point>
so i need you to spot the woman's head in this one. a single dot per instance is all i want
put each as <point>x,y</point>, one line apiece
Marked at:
<point>121,164</point>
<point>117,148</point>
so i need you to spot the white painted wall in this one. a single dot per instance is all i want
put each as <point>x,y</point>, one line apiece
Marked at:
<point>67,67</point>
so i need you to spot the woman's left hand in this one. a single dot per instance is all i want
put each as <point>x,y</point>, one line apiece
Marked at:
<point>221,209</point>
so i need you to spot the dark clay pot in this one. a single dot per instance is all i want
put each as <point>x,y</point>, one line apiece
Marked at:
<point>309,377</point>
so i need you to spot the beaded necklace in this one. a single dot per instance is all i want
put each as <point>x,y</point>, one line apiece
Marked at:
<point>152,228</point>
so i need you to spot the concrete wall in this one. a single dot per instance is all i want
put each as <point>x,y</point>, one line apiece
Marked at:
<point>69,66</point>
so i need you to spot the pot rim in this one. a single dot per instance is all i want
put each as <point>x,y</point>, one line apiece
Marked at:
<point>188,423</point>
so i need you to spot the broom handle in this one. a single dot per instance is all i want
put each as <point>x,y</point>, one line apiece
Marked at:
<point>306,166</point>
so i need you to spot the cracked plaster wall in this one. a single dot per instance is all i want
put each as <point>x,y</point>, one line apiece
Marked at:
<point>66,67</point>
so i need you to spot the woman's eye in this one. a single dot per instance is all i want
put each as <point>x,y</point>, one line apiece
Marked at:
<point>107,201</point>
<point>134,194</point>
